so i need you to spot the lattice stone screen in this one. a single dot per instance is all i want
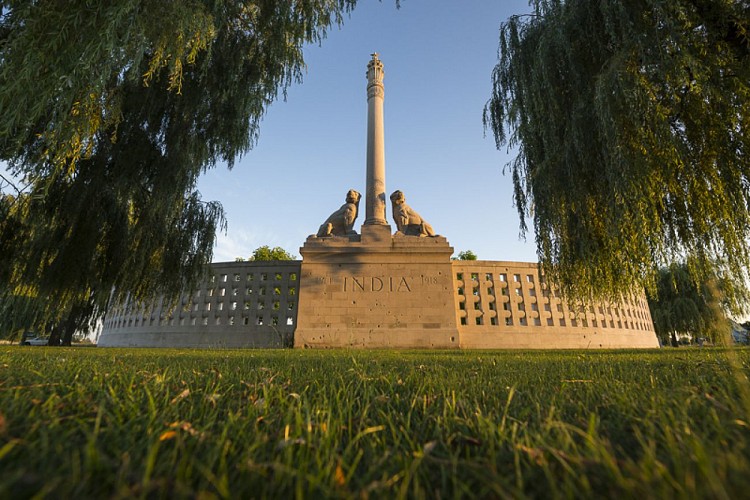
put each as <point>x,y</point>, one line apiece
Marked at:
<point>497,305</point>
<point>497,298</point>
<point>240,304</point>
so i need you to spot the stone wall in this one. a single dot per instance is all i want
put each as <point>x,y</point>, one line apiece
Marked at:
<point>497,305</point>
<point>240,304</point>
<point>509,305</point>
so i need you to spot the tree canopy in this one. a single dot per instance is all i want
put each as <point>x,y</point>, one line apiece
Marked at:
<point>267,253</point>
<point>679,306</point>
<point>632,123</point>
<point>466,255</point>
<point>109,112</point>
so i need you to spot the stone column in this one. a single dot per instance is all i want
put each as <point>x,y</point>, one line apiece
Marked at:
<point>375,203</point>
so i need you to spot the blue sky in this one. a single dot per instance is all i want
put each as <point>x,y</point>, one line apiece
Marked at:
<point>438,57</point>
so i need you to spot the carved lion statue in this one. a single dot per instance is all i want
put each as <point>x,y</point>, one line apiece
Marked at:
<point>341,222</point>
<point>409,222</point>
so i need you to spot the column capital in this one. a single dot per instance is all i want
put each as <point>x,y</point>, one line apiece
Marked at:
<point>375,76</point>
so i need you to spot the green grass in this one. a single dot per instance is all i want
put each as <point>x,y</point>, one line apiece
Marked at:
<point>81,423</point>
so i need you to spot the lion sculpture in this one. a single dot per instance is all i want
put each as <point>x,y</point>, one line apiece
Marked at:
<point>407,220</point>
<point>341,222</point>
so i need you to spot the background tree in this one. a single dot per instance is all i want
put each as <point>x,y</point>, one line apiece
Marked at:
<point>267,253</point>
<point>679,306</point>
<point>466,255</point>
<point>632,123</point>
<point>109,112</point>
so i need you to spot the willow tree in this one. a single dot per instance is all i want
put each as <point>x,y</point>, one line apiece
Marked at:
<point>680,306</point>
<point>631,120</point>
<point>109,112</point>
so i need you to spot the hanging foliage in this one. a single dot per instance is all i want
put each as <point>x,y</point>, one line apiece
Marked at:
<point>109,112</point>
<point>631,120</point>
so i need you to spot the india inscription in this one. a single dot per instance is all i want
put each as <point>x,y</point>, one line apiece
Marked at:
<point>377,284</point>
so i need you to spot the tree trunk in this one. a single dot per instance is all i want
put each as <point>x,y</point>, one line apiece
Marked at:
<point>674,340</point>
<point>54,336</point>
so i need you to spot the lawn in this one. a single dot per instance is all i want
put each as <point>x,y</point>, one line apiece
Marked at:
<point>97,423</point>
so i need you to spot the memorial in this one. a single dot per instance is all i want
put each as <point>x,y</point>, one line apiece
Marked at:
<point>379,288</point>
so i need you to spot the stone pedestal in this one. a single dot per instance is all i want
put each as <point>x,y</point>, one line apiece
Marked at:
<point>376,291</point>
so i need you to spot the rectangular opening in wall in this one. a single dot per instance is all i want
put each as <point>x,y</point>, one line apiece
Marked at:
<point>292,290</point>
<point>263,276</point>
<point>248,291</point>
<point>488,277</point>
<point>261,306</point>
<point>235,291</point>
<point>475,276</point>
<point>233,306</point>
<point>492,306</point>
<point>276,305</point>
<point>493,321</point>
<point>208,306</point>
<point>537,322</point>
<point>218,321</point>
<point>550,322</point>
<point>522,322</point>
<point>290,305</point>
<point>278,276</point>
<point>204,321</point>
<point>274,320</point>
<point>250,277</point>
<point>562,321</point>
<point>460,276</point>
<point>462,306</point>
<point>478,320</point>
<point>237,277</point>
<point>289,320</point>
<point>476,306</point>
<point>223,278</point>
<point>245,321</point>
<point>292,276</point>
<point>193,321</point>
<point>221,306</point>
<point>222,292</point>
<point>516,278</point>
<point>508,321</point>
<point>529,278</point>
<point>463,321</point>
<point>231,320</point>
<point>573,322</point>
<point>490,291</point>
<point>503,277</point>
<point>259,320</point>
